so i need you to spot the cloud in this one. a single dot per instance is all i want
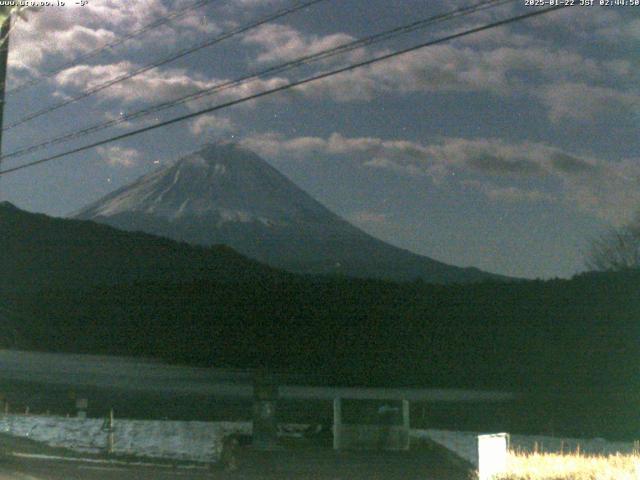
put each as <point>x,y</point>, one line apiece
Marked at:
<point>148,86</point>
<point>490,157</point>
<point>567,83</point>
<point>607,25</point>
<point>55,35</point>
<point>67,31</point>
<point>498,164</point>
<point>121,123</point>
<point>28,53</point>
<point>119,156</point>
<point>503,171</point>
<point>570,84</point>
<point>278,42</point>
<point>439,69</point>
<point>577,101</point>
<point>503,63</point>
<point>448,68</point>
<point>273,144</point>
<point>499,37</point>
<point>510,194</point>
<point>208,125</point>
<point>157,84</point>
<point>572,165</point>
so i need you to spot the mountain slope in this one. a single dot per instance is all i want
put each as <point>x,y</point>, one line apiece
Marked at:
<point>226,194</point>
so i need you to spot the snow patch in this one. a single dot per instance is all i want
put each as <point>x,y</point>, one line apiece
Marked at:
<point>224,182</point>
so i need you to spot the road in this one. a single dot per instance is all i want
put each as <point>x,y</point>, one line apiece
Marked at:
<point>304,464</point>
<point>22,469</point>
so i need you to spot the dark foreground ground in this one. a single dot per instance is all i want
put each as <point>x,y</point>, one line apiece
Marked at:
<point>25,460</point>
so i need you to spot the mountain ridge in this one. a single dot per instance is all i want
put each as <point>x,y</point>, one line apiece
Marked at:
<point>226,194</point>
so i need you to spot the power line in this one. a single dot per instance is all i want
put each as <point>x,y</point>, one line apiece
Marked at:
<point>304,60</point>
<point>97,51</point>
<point>276,69</point>
<point>282,88</point>
<point>164,61</point>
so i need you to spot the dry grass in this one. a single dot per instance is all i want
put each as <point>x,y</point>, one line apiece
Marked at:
<point>572,466</point>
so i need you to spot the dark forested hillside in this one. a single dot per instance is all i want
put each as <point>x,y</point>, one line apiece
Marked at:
<point>562,334</point>
<point>37,251</point>
<point>80,287</point>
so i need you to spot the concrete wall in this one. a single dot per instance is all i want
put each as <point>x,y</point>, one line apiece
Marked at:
<point>193,441</point>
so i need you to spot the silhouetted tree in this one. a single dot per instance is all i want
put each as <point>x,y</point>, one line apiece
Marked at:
<point>618,249</point>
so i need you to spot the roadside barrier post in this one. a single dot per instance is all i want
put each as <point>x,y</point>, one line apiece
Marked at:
<point>492,455</point>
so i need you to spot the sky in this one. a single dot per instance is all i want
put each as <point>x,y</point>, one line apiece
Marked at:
<point>509,150</point>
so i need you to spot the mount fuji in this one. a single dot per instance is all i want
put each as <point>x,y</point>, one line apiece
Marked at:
<point>226,194</point>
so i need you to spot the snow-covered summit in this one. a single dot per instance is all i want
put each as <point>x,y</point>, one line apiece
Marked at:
<point>222,180</point>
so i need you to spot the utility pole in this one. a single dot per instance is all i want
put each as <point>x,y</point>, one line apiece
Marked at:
<point>6,13</point>
<point>5,17</point>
